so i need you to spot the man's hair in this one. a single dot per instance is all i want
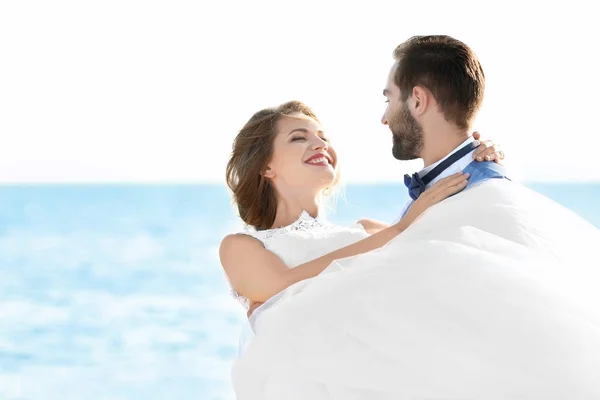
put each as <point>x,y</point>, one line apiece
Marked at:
<point>448,68</point>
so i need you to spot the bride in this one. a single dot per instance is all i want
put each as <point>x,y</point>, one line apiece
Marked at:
<point>450,302</point>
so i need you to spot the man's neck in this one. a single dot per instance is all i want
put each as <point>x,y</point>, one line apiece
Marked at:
<point>439,145</point>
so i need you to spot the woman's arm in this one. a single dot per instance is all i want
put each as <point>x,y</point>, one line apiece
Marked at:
<point>259,274</point>
<point>372,226</point>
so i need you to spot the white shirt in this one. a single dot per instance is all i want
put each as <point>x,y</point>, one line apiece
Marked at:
<point>457,166</point>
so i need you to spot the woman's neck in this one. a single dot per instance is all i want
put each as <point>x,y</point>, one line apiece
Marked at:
<point>289,209</point>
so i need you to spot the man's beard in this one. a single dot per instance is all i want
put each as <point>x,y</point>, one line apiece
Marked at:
<point>407,135</point>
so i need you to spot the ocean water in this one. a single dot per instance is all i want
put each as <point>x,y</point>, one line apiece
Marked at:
<point>115,291</point>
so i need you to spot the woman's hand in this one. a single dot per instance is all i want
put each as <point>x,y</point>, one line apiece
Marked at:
<point>487,151</point>
<point>439,191</point>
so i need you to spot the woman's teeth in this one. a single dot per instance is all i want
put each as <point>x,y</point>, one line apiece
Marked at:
<point>320,160</point>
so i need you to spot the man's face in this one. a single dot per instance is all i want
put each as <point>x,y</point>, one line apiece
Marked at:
<point>407,133</point>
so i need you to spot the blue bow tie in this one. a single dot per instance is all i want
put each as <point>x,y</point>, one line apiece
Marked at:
<point>416,185</point>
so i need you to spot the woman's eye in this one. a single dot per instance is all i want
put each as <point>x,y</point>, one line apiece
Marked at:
<point>325,139</point>
<point>297,138</point>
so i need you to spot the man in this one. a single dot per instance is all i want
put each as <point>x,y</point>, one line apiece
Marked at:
<point>434,90</point>
<point>533,259</point>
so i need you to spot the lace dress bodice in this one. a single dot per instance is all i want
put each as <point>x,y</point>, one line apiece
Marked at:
<point>304,240</point>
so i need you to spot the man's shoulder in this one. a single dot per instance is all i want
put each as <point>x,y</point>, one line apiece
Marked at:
<point>485,170</point>
<point>486,166</point>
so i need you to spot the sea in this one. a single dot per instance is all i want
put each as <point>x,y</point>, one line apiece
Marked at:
<point>115,292</point>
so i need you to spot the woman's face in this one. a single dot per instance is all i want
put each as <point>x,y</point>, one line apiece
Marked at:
<point>302,155</point>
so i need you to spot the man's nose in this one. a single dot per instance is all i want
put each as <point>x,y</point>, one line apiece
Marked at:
<point>384,119</point>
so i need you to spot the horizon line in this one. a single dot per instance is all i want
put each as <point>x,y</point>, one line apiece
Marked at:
<point>221,183</point>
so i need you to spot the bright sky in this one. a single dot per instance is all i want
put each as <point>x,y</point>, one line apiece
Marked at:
<point>155,91</point>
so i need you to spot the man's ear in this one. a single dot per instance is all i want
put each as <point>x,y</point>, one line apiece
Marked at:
<point>420,100</point>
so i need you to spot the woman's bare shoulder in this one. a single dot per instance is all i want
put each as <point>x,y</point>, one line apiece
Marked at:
<point>238,241</point>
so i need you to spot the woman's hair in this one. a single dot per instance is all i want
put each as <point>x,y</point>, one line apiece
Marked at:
<point>254,194</point>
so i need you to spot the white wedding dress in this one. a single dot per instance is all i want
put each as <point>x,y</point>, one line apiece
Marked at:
<point>492,294</point>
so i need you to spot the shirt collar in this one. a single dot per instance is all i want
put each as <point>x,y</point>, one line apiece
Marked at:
<point>425,170</point>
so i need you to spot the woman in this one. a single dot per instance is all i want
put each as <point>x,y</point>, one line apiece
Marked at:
<point>281,168</point>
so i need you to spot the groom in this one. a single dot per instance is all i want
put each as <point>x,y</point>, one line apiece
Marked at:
<point>434,91</point>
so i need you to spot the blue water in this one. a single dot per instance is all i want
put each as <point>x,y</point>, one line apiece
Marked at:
<point>115,291</point>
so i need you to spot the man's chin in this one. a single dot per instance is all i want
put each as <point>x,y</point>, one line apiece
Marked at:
<point>399,155</point>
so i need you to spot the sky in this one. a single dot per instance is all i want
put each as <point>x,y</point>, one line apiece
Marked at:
<point>155,92</point>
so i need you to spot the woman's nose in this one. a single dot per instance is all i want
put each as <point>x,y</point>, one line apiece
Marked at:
<point>320,143</point>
